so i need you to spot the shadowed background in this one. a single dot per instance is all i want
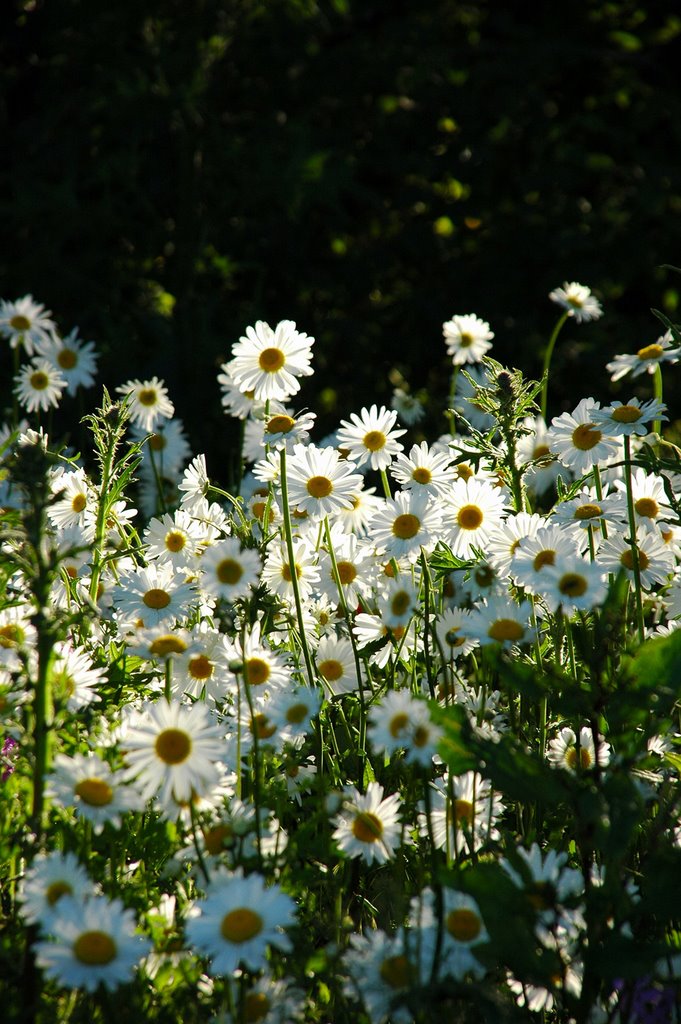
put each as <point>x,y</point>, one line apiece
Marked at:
<point>173,171</point>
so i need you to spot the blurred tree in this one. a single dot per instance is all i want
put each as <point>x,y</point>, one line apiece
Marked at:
<point>173,171</point>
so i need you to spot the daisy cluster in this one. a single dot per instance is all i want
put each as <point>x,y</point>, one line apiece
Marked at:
<point>356,741</point>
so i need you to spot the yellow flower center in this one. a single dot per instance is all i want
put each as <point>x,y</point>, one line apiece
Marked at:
<point>585,437</point>
<point>229,571</point>
<point>200,667</point>
<point>175,540</point>
<point>464,471</point>
<point>406,526</point>
<point>156,598</point>
<point>463,924</point>
<point>374,440</point>
<point>367,827</point>
<point>39,380</point>
<point>466,339</point>
<point>572,584</point>
<point>541,895</point>
<point>397,972</point>
<point>626,414</point>
<point>588,511</point>
<point>263,726</point>
<point>453,639</point>
<point>256,1006</point>
<point>647,507</point>
<point>627,560</point>
<point>484,576</point>
<point>95,792</point>
<point>319,486</point>
<point>584,758</point>
<point>258,671</point>
<point>148,396</point>
<point>398,723</point>
<point>296,713</point>
<point>506,629</point>
<point>167,644</point>
<point>94,948</point>
<point>286,574</point>
<point>650,352</point>
<point>56,890</point>
<point>157,442</point>
<point>421,736</point>
<point>67,358</point>
<point>271,359</point>
<point>173,746</point>
<point>280,424</point>
<point>215,839</point>
<point>422,475</point>
<point>470,517</point>
<point>11,635</point>
<point>463,812</point>
<point>347,572</point>
<point>331,669</point>
<point>546,557</point>
<point>401,603</point>
<point>241,924</point>
<point>540,450</point>
<point>20,323</point>
<point>79,503</point>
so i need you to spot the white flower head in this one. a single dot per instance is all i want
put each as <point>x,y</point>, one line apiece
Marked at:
<point>269,362</point>
<point>578,301</point>
<point>468,338</point>
<point>148,402</point>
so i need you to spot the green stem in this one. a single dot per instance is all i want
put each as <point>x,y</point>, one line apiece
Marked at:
<point>657,393</point>
<point>547,360</point>
<point>288,534</point>
<point>632,539</point>
<point>386,484</point>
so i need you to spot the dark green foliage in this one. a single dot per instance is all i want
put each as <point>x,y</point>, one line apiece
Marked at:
<point>171,172</point>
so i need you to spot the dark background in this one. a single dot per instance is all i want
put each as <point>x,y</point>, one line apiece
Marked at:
<point>172,171</point>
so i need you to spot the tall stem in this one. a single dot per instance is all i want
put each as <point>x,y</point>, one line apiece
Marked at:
<point>288,533</point>
<point>635,564</point>
<point>547,360</point>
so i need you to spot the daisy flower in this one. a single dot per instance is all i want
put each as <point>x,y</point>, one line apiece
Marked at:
<point>656,562</point>
<point>465,394</point>
<point>464,813</point>
<point>281,428</point>
<point>664,350</point>
<point>587,509</point>
<point>238,920</point>
<point>173,538</point>
<point>405,524</point>
<point>382,969</point>
<point>407,407</point>
<point>87,783</point>
<point>148,402</point>
<point>262,666</point>
<point>237,403</point>
<point>269,362</point>
<point>74,358</point>
<point>75,496</point>
<point>546,880</point>
<point>402,721</point>
<point>573,584</point>
<point>504,541</point>
<point>539,461</point>
<point>464,930</point>
<point>467,338</point>
<point>171,751</point>
<point>74,677</point>
<point>621,419</point>
<point>562,751</point>
<point>318,482</point>
<point>577,440</point>
<point>578,301</point>
<point>39,385</point>
<point>51,877</point>
<point>357,519</point>
<point>228,570</point>
<point>370,438</point>
<point>153,595</point>
<point>94,943</point>
<point>292,712</point>
<point>501,621</point>
<point>356,568</point>
<point>450,630</point>
<point>471,510</point>
<point>424,470</point>
<point>26,323</point>
<point>336,665</point>
<point>649,496</point>
<point>167,444</point>
<point>277,571</point>
<point>368,825</point>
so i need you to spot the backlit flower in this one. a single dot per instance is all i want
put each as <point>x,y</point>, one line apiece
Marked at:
<point>269,362</point>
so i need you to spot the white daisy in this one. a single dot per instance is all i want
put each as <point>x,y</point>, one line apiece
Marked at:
<point>148,402</point>
<point>656,562</point>
<point>562,750</point>
<point>371,438</point>
<point>577,441</point>
<point>173,538</point>
<point>573,583</point>
<point>277,572</point>
<point>74,358</point>
<point>368,825</point>
<point>269,362</point>
<point>228,570</point>
<point>93,943</point>
<point>424,470</point>
<point>336,665</point>
<point>75,496</point>
<point>25,323</point>
<point>318,482</point>
<point>39,385</point>
<point>664,350</point>
<point>402,721</point>
<point>620,419</point>
<point>405,524</point>
<point>171,751</point>
<point>52,877</point>
<point>464,930</point>
<point>578,301</point>
<point>87,783</point>
<point>154,595</point>
<point>237,921</point>
<point>541,467</point>
<point>407,406</point>
<point>501,621</point>
<point>651,502</point>
<point>471,510</point>
<point>467,338</point>
<point>535,554</point>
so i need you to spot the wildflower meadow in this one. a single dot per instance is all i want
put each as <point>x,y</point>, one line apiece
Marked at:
<point>385,730</point>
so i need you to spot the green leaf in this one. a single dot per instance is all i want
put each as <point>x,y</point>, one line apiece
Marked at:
<point>454,748</point>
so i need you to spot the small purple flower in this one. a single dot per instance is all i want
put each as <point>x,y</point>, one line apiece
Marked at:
<point>6,758</point>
